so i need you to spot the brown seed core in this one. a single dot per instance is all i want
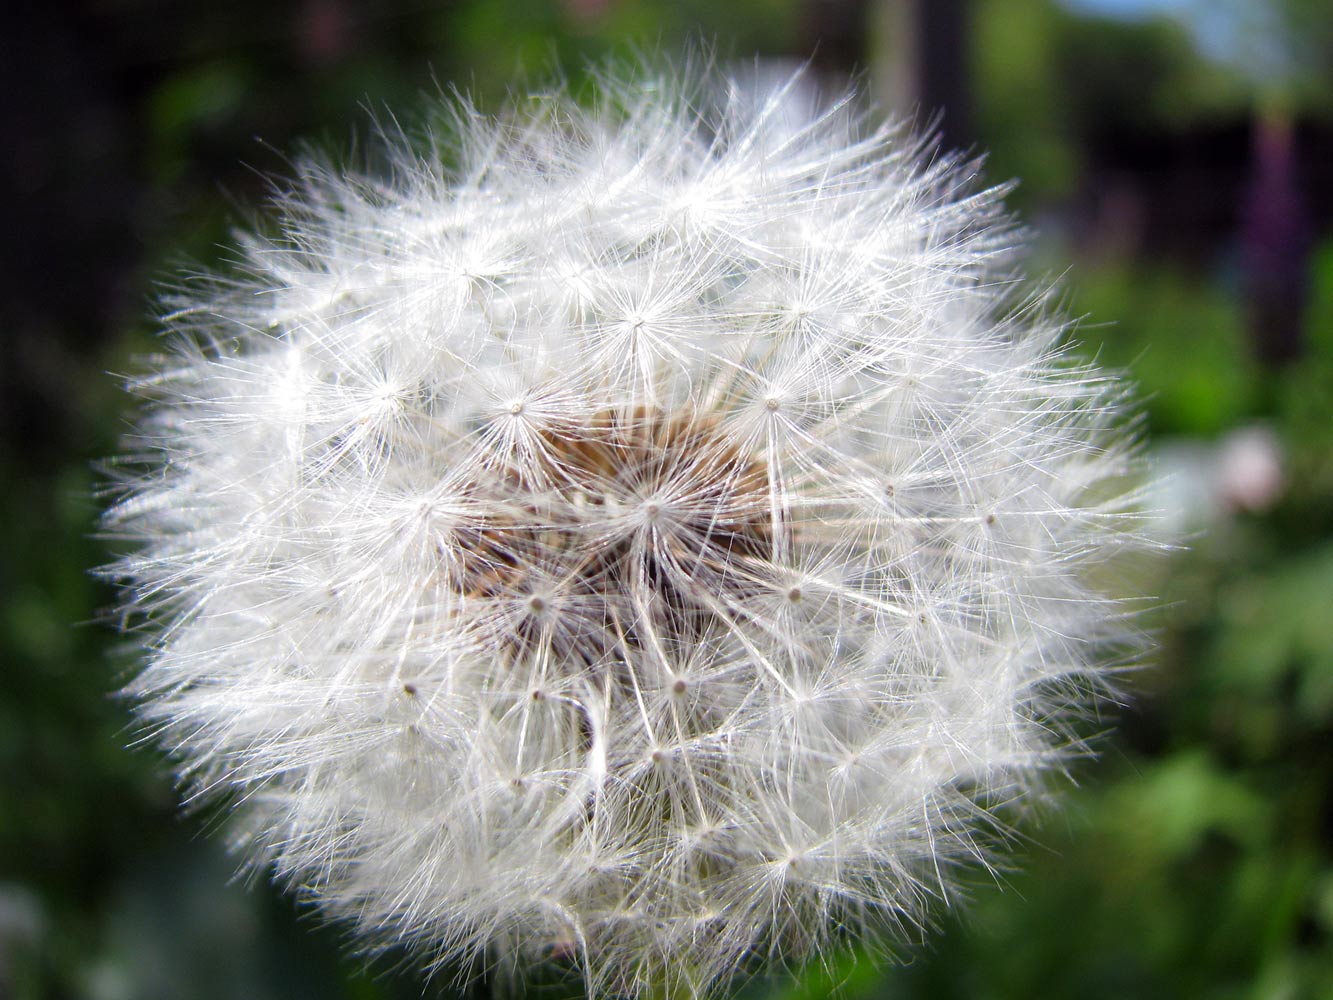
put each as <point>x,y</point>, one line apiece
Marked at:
<point>630,522</point>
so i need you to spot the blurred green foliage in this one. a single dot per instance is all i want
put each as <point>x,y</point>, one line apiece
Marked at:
<point>1195,859</point>
<point>1182,336</point>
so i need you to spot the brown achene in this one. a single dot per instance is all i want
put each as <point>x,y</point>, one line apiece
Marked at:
<point>630,520</point>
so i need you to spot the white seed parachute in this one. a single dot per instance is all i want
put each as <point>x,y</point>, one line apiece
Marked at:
<point>654,535</point>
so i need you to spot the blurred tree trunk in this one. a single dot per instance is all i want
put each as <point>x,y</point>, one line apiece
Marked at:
<point>835,33</point>
<point>1275,242</point>
<point>921,63</point>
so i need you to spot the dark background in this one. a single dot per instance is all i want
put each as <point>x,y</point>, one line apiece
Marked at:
<point>1175,162</point>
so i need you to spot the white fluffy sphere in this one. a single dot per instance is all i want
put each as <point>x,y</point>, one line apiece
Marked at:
<point>644,536</point>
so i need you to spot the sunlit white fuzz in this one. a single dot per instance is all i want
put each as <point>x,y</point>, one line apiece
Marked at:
<point>647,537</point>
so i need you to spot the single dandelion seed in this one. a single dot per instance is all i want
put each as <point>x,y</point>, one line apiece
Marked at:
<point>643,538</point>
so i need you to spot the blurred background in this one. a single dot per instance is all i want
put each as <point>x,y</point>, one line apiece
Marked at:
<point>1176,160</point>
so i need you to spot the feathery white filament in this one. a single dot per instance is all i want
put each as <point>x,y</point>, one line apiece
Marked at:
<point>653,537</point>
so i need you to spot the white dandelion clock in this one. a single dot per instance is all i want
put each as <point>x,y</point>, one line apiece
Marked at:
<point>642,536</point>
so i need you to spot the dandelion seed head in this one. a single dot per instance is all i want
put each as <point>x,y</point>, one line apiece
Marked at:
<point>641,537</point>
